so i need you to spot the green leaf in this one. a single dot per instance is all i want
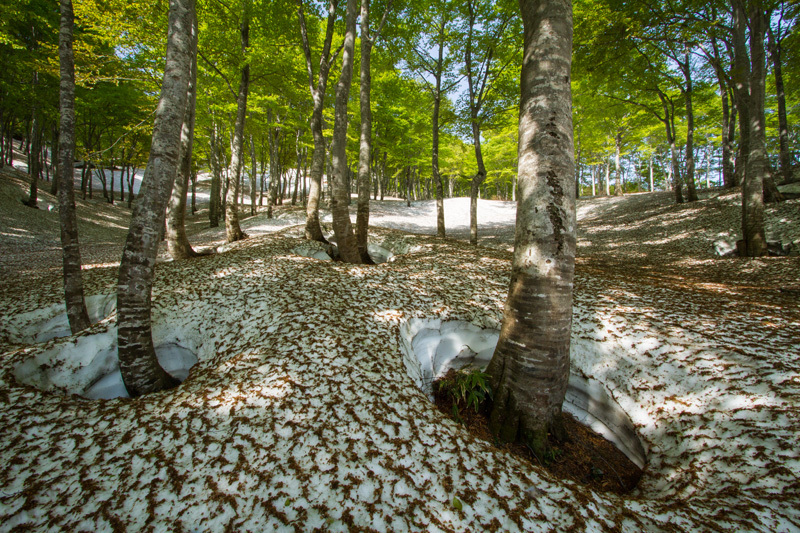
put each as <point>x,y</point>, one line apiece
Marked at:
<point>457,503</point>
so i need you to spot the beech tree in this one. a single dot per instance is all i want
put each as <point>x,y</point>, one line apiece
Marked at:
<point>177,240</point>
<point>317,87</point>
<point>530,367</point>
<point>342,227</point>
<point>439,76</point>
<point>484,65</point>
<point>140,369</point>
<point>365,138</point>
<point>73,278</point>
<point>233,231</point>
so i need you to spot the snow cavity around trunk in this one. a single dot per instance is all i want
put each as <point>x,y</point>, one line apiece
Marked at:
<point>51,322</point>
<point>431,347</point>
<point>88,365</point>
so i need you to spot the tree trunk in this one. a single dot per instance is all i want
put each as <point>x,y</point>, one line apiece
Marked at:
<point>669,126</point>
<point>342,227</point>
<point>530,367</point>
<point>365,142</point>
<point>437,101</point>
<point>475,104</point>
<point>318,88</point>
<point>691,189</point>
<point>141,372</point>
<point>34,168</point>
<point>233,232</point>
<point>253,176</point>
<point>748,77</point>
<point>73,278</point>
<point>618,177</point>
<point>783,124</point>
<point>298,156</point>
<point>177,240</point>
<point>216,178</point>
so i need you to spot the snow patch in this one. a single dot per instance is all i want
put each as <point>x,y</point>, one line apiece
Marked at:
<point>88,364</point>
<point>431,347</point>
<point>51,322</point>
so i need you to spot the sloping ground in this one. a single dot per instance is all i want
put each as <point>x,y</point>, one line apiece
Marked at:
<point>300,415</point>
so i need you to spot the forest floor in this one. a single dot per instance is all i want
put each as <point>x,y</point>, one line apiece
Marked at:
<point>301,414</point>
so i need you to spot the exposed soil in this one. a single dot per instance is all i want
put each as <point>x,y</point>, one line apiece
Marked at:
<point>584,457</point>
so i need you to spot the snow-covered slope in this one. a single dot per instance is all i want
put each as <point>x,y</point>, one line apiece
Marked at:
<point>300,414</point>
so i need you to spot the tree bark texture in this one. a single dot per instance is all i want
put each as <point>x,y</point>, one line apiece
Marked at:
<point>756,163</point>
<point>775,46</point>
<point>73,278</point>
<point>365,141</point>
<point>342,227</point>
<point>141,372</point>
<point>177,240</point>
<point>530,367</point>
<point>691,190</point>
<point>233,232</point>
<point>317,88</point>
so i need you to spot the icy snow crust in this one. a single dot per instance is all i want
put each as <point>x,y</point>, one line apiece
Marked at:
<point>300,413</point>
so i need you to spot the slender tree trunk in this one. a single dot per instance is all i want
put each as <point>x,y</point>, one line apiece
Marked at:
<point>475,104</point>
<point>652,188</point>
<point>342,227</point>
<point>669,125</point>
<point>365,142</point>
<point>253,176</point>
<point>34,167</point>
<point>233,232</point>
<point>437,101</point>
<point>298,156</point>
<point>783,124</point>
<point>382,181</point>
<point>728,136</point>
<point>530,368</point>
<point>141,372</point>
<point>618,189</point>
<point>318,88</point>
<point>691,189</point>
<point>177,240</point>
<point>73,278</point>
<point>216,178</point>
<point>273,139</point>
<point>608,178</point>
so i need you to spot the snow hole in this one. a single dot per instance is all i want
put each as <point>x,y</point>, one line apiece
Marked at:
<point>89,367</point>
<point>431,347</point>
<point>51,322</point>
<point>382,251</point>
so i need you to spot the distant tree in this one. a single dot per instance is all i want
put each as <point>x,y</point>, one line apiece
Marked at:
<point>485,62</point>
<point>530,367</point>
<point>439,76</point>
<point>233,231</point>
<point>141,372</point>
